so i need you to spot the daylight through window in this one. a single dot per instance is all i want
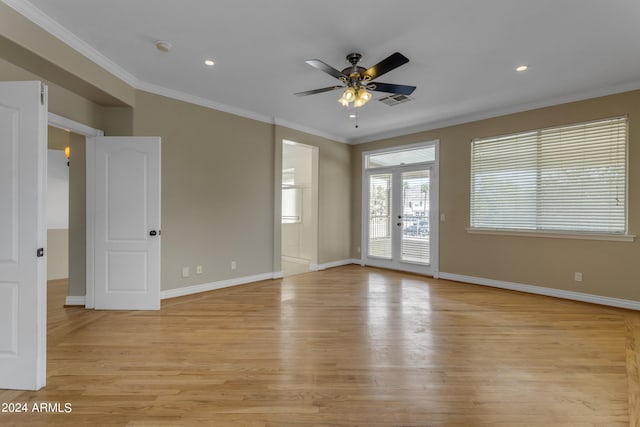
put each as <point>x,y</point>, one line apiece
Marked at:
<point>570,178</point>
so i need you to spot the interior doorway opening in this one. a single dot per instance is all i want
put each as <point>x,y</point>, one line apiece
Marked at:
<point>57,204</point>
<point>299,207</point>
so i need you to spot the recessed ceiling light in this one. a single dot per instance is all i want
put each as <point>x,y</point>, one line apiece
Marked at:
<point>209,62</point>
<point>353,116</point>
<point>522,68</point>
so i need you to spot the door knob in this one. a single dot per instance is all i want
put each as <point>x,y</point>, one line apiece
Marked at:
<point>153,233</point>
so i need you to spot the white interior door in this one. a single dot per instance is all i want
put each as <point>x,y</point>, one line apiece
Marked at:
<point>23,292</point>
<point>400,218</point>
<point>124,174</point>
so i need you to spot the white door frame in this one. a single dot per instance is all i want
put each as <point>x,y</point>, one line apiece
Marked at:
<point>315,177</point>
<point>434,208</point>
<point>88,132</point>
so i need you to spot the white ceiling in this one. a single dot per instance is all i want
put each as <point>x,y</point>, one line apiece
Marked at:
<point>463,54</point>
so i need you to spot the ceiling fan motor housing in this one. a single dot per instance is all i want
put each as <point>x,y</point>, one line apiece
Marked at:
<point>354,72</point>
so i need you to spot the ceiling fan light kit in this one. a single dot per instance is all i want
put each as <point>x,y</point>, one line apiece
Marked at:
<point>358,81</point>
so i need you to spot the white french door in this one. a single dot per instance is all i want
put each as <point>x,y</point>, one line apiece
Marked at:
<point>23,263</point>
<point>400,218</point>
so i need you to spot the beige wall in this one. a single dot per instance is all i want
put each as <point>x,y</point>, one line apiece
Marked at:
<point>217,191</point>
<point>609,268</point>
<point>32,48</point>
<point>334,194</point>
<point>77,216</point>
<point>221,180</point>
<point>57,253</point>
<point>61,101</point>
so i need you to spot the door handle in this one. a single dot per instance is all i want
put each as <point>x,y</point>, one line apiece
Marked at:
<point>154,233</point>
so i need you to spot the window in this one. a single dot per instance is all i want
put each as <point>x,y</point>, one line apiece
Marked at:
<point>565,179</point>
<point>291,205</point>
<point>402,157</point>
<point>291,198</point>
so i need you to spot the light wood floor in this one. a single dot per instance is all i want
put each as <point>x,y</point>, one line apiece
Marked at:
<point>349,346</point>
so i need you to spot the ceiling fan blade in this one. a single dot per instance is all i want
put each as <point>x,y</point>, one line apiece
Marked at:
<point>314,91</point>
<point>391,62</point>
<point>391,88</point>
<point>316,63</point>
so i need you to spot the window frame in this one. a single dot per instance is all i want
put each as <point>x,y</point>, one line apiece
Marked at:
<point>568,234</point>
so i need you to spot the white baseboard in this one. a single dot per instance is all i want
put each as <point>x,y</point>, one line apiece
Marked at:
<point>575,296</point>
<point>295,260</point>
<point>75,300</point>
<point>318,267</point>
<point>205,287</point>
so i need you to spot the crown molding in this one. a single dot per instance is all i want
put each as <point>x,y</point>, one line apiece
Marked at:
<point>285,123</point>
<point>421,126</point>
<point>42,20</point>
<point>203,102</point>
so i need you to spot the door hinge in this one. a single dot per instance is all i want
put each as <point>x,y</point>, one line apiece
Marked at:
<point>40,252</point>
<point>42,94</point>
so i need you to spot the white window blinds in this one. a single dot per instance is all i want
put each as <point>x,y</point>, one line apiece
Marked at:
<point>569,178</point>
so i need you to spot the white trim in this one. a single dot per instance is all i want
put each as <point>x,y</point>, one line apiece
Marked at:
<point>539,290</point>
<point>555,234</point>
<point>203,102</point>
<point>318,267</point>
<point>69,125</point>
<point>88,132</point>
<point>278,275</point>
<point>431,269</point>
<point>285,123</point>
<point>74,300</point>
<point>295,260</point>
<point>206,287</point>
<point>90,224</point>
<point>418,126</point>
<point>43,21</point>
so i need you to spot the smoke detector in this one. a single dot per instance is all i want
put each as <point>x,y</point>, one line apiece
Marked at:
<point>163,46</point>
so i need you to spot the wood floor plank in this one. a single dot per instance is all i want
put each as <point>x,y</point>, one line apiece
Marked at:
<point>349,346</point>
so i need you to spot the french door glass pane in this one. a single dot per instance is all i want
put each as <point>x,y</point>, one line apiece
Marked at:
<point>415,217</point>
<point>380,215</point>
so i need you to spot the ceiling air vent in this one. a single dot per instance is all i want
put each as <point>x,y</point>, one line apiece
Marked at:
<point>394,99</point>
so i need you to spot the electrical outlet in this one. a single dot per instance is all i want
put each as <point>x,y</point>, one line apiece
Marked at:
<point>577,276</point>
<point>198,269</point>
<point>185,272</point>
<point>233,265</point>
<point>443,217</point>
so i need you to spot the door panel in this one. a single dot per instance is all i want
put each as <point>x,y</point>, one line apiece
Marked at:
<point>22,231</point>
<point>127,223</point>
<point>415,242</point>
<point>380,211</point>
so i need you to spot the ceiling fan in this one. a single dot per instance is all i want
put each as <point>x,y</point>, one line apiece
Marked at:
<point>357,81</point>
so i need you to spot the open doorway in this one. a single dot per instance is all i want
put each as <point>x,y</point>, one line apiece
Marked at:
<point>299,207</point>
<point>57,205</point>
<point>66,211</point>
